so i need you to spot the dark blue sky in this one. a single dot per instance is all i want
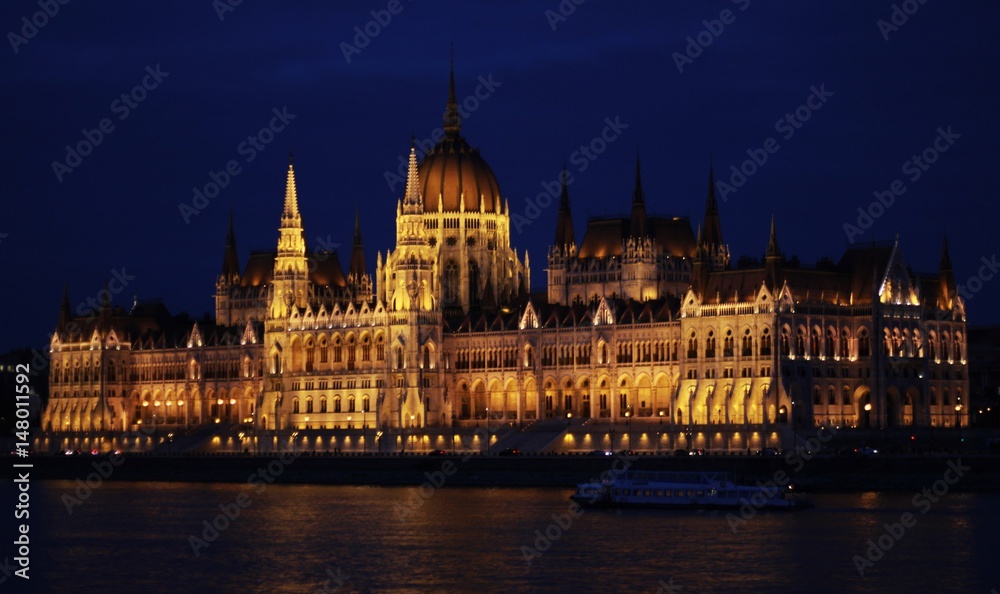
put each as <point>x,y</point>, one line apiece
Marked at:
<point>118,210</point>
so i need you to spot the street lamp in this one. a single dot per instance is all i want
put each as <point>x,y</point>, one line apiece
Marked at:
<point>412,418</point>
<point>364,428</point>
<point>628,426</point>
<point>659,434</point>
<point>487,431</point>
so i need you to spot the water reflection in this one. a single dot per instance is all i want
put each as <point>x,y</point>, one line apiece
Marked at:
<point>300,538</point>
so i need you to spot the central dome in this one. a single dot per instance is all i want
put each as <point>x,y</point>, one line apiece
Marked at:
<point>453,169</point>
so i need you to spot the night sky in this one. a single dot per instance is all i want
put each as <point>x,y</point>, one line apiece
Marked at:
<point>547,85</point>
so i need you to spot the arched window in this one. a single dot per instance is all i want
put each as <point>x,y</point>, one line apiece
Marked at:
<point>747,346</point>
<point>693,345</point>
<point>451,288</point>
<point>336,404</point>
<point>473,283</point>
<point>785,347</point>
<point>366,348</point>
<point>322,404</point>
<point>728,344</point>
<point>295,406</point>
<point>379,348</point>
<point>817,400</point>
<point>309,405</point>
<point>350,404</point>
<point>864,343</point>
<point>710,345</point>
<point>828,346</point>
<point>814,341</point>
<point>365,405</point>
<point>846,399</point>
<point>844,341</point>
<point>800,343</point>
<point>338,350</point>
<point>831,396</point>
<point>765,343</point>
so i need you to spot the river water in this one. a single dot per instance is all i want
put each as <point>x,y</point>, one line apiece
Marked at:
<point>136,537</point>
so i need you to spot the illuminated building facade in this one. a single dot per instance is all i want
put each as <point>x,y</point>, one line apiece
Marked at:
<point>642,321</point>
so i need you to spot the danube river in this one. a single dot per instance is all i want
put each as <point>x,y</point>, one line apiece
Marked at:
<point>136,537</point>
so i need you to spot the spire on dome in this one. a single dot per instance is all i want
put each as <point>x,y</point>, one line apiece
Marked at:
<point>452,119</point>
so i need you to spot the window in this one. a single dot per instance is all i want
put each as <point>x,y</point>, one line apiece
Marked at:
<point>710,345</point>
<point>747,350</point>
<point>336,404</point>
<point>295,406</point>
<point>322,404</point>
<point>727,345</point>
<point>864,344</point>
<point>765,343</point>
<point>309,405</point>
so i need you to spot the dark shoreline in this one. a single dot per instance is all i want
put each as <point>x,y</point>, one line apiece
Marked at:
<point>821,474</point>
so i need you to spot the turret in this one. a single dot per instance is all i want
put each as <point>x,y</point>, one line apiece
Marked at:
<point>773,258</point>
<point>946,279</point>
<point>564,222</point>
<point>637,223</point>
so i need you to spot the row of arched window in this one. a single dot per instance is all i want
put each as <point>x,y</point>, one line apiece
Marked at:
<point>337,407</point>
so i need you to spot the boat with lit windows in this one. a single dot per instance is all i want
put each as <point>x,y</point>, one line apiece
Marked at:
<point>685,490</point>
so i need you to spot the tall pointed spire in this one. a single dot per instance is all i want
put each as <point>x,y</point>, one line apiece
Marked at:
<point>231,260</point>
<point>291,210</point>
<point>411,200</point>
<point>564,224</point>
<point>772,258</point>
<point>357,267</point>
<point>638,221</point>
<point>773,251</point>
<point>713,228</point>
<point>65,313</point>
<point>946,279</point>
<point>452,119</point>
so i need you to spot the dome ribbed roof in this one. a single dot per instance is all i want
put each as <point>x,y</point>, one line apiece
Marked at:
<point>453,169</point>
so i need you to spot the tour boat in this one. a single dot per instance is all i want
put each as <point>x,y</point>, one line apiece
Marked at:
<point>685,490</point>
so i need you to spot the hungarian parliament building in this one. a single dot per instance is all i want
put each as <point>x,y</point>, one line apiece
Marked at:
<point>642,321</point>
